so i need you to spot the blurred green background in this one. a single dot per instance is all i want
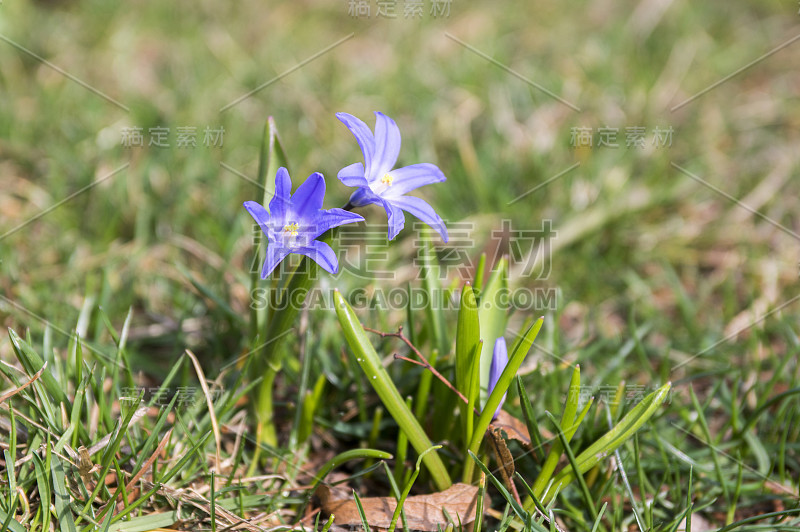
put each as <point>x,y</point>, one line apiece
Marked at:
<point>638,239</point>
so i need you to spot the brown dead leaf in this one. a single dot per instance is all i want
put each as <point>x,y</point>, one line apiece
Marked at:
<point>516,429</point>
<point>423,512</point>
<point>505,460</point>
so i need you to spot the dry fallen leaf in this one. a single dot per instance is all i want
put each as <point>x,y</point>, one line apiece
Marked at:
<point>505,461</point>
<point>516,429</point>
<point>423,512</point>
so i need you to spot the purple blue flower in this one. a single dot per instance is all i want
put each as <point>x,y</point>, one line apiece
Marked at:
<point>380,183</point>
<point>294,221</point>
<point>499,363</point>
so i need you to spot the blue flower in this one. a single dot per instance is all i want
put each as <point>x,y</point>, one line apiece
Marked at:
<point>379,183</point>
<point>294,221</point>
<point>499,362</point>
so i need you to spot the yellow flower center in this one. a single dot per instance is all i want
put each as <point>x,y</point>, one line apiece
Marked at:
<point>387,180</point>
<point>291,229</point>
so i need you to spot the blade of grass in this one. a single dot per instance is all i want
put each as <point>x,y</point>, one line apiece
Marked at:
<point>361,512</point>
<point>354,454</point>
<point>479,507</point>
<point>707,433</point>
<point>402,451</point>
<point>409,485</point>
<point>622,431</point>
<point>587,496</point>
<point>32,363</point>
<point>396,493</point>
<point>530,420</point>
<point>62,497</point>
<point>43,485</point>
<point>515,506</point>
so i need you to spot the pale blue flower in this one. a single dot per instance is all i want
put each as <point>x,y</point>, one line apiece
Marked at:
<point>294,221</point>
<point>377,180</point>
<point>499,363</point>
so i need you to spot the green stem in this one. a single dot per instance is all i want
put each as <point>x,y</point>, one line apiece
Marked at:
<point>379,379</point>
<point>268,354</point>
<point>264,412</point>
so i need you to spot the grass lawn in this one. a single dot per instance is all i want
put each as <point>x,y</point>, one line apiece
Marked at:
<point>627,171</point>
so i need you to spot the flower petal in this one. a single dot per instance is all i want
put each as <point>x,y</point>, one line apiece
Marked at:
<point>362,133</point>
<point>275,254</point>
<point>259,214</point>
<point>397,219</point>
<point>334,218</point>
<point>353,175</point>
<point>307,199</point>
<point>322,254</point>
<point>499,363</point>
<point>419,208</point>
<point>414,176</point>
<point>283,191</point>
<point>364,196</point>
<point>387,147</point>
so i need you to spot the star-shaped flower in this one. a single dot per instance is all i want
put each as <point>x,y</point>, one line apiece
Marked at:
<point>379,183</point>
<point>294,221</point>
<point>499,363</point>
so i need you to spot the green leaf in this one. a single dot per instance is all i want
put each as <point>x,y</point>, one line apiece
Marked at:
<point>503,383</point>
<point>424,388</point>
<point>7,522</point>
<point>267,359</point>
<point>271,157</point>
<point>479,506</point>
<point>478,283</point>
<point>562,438</point>
<point>530,420</point>
<point>521,512</point>
<point>32,363</point>
<point>409,485</point>
<point>400,471</point>
<point>467,337</point>
<point>310,403</point>
<point>431,273</point>
<point>492,318</point>
<point>328,524</point>
<point>610,441</point>
<point>62,496</point>
<point>361,512</point>
<point>379,379</point>
<point>569,427</point>
<point>43,484</point>
<point>146,523</point>
<point>473,394</point>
